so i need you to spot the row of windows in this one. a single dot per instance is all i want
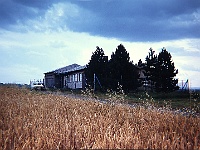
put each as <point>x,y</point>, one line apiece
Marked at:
<point>74,77</point>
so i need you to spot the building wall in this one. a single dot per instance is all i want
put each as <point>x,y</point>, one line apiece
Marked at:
<point>75,80</point>
<point>71,80</point>
<point>49,80</point>
<point>59,81</point>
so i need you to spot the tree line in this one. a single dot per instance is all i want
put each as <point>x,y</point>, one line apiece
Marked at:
<point>158,71</point>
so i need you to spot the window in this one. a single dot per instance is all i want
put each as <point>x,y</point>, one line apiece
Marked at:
<point>71,78</point>
<point>68,78</point>
<point>76,77</point>
<point>80,76</point>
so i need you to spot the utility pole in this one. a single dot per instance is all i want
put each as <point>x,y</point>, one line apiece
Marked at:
<point>98,82</point>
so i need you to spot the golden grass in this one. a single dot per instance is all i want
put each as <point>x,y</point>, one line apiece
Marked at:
<point>31,120</point>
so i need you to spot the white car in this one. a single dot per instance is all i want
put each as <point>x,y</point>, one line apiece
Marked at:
<point>37,86</point>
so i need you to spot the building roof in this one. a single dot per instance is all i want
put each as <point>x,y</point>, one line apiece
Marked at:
<point>67,69</point>
<point>75,69</point>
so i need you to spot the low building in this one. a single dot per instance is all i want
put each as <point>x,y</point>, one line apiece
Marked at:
<point>71,77</point>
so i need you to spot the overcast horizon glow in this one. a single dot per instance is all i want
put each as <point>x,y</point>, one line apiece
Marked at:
<point>40,36</point>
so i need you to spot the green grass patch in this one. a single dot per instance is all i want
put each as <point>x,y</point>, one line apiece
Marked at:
<point>174,100</point>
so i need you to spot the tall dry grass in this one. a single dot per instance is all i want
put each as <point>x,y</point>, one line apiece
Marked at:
<point>31,120</point>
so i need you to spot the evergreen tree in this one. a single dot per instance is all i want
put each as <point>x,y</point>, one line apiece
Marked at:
<point>165,73</point>
<point>121,70</point>
<point>151,63</point>
<point>97,65</point>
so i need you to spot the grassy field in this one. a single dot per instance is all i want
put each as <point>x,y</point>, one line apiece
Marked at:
<point>32,120</point>
<point>174,100</point>
<point>178,100</point>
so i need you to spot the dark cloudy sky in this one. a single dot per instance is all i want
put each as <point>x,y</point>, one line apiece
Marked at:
<point>37,36</point>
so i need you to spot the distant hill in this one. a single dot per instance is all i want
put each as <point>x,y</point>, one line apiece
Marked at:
<point>195,88</point>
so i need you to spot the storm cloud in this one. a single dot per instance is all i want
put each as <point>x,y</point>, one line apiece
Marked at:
<point>130,20</point>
